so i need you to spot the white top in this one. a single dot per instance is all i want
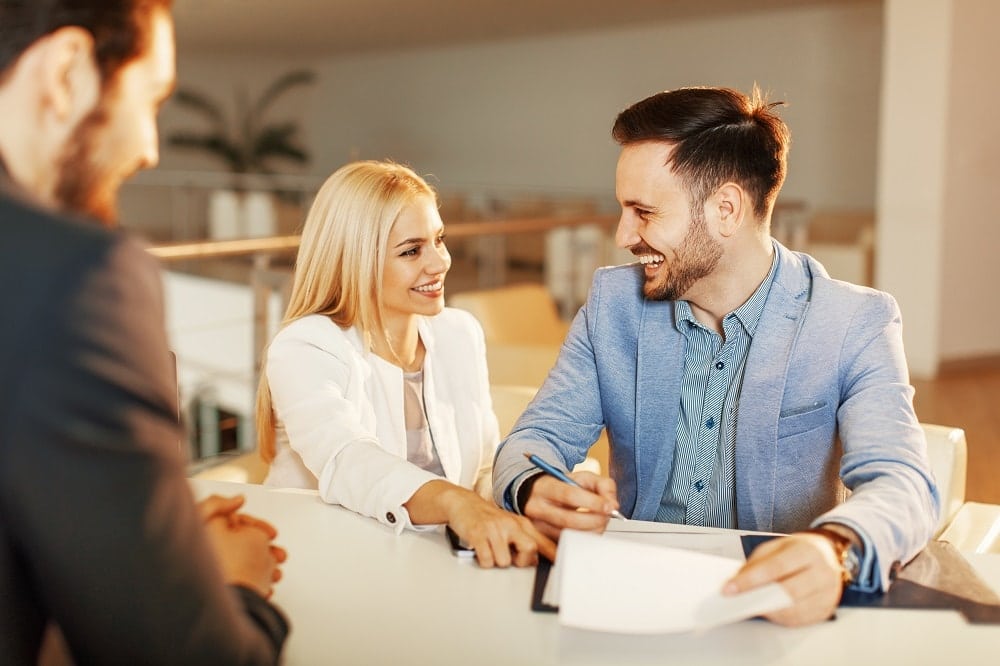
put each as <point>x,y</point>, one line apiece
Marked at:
<point>419,439</point>
<point>340,418</point>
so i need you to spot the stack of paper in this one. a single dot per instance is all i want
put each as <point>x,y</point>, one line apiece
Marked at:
<point>606,583</point>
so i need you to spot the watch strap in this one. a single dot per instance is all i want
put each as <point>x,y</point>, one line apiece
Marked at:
<point>847,552</point>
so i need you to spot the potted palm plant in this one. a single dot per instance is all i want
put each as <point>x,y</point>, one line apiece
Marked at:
<point>246,143</point>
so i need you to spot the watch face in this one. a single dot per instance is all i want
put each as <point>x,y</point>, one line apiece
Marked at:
<point>852,562</point>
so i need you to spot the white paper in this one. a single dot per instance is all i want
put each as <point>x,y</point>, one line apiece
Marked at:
<point>723,544</point>
<point>727,544</point>
<point>606,583</point>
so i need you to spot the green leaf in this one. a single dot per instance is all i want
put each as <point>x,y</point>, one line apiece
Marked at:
<point>213,144</point>
<point>279,87</point>
<point>278,141</point>
<point>246,143</point>
<point>201,104</point>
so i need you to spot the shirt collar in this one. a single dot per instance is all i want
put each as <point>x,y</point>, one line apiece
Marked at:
<point>748,314</point>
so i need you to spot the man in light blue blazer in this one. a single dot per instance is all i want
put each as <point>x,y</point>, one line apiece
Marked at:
<point>740,385</point>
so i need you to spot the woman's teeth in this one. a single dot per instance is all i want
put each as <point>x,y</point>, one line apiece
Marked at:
<point>434,286</point>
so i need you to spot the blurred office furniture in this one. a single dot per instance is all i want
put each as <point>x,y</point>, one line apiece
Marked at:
<point>509,401</point>
<point>233,467</point>
<point>947,451</point>
<point>844,242</point>
<point>515,314</point>
<point>522,328</point>
<point>975,528</point>
<point>572,255</point>
<point>972,527</point>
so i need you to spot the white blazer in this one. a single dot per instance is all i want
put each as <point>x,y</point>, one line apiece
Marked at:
<point>339,414</point>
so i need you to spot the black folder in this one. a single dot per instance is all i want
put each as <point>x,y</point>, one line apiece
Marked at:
<point>938,578</point>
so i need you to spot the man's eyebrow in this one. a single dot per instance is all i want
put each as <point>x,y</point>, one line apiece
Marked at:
<point>634,203</point>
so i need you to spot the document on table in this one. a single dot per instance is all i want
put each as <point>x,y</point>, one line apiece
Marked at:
<point>616,583</point>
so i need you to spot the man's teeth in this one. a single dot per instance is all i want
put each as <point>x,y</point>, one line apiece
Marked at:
<point>434,286</point>
<point>647,259</point>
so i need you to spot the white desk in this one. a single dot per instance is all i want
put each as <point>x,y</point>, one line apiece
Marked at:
<point>357,594</point>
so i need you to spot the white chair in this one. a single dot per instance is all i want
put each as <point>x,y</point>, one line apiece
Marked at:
<point>948,454</point>
<point>975,528</point>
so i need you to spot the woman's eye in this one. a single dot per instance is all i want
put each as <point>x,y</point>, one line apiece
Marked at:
<point>440,239</point>
<point>412,252</point>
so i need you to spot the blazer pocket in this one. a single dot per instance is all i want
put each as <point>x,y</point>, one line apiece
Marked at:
<point>803,418</point>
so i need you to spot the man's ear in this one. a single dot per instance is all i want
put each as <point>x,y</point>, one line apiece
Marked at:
<point>730,206</point>
<point>68,74</point>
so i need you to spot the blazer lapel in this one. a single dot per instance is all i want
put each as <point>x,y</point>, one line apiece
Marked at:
<point>659,369</point>
<point>763,387</point>
<point>440,412</point>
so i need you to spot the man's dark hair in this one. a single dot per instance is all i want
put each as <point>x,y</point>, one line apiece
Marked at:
<point>719,135</point>
<point>120,28</point>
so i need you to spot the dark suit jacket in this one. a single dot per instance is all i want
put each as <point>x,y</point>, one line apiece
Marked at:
<point>98,530</point>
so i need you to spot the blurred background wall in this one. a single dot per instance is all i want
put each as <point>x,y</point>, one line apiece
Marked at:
<point>890,105</point>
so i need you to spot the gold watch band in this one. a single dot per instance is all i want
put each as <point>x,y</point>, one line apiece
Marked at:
<point>842,547</point>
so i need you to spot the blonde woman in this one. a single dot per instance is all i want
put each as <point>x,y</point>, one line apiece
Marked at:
<point>374,392</point>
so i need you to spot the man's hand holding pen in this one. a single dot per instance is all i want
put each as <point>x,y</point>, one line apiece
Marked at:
<point>580,501</point>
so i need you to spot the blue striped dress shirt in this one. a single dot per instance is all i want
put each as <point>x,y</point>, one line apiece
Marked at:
<point>700,489</point>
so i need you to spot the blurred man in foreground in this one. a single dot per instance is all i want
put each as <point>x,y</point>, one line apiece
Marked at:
<point>99,537</point>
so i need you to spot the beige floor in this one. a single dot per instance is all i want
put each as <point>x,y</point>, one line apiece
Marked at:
<point>969,399</point>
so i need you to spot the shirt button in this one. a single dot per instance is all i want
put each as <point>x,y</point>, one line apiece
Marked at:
<point>698,485</point>
<point>720,365</point>
<point>390,517</point>
<point>710,423</point>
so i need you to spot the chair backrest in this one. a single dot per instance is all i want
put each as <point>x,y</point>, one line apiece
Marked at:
<point>948,454</point>
<point>520,365</point>
<point>975,528</point>
<point>509,401</point>
<point>523,314</point>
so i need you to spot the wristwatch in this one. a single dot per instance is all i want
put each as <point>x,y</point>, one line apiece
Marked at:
<point>848,553</point>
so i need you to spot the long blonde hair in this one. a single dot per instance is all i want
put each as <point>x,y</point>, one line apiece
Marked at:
<point>341,258</point>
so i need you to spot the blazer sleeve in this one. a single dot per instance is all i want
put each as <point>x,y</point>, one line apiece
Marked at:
<point>566,416</point>
<point>94,486</point>
<point>308,373</point>
<point>894,499</point>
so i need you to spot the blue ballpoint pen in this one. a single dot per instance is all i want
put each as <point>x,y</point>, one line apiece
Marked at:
<point>559,474</point>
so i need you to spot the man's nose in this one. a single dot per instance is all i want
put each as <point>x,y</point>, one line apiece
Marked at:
<point>625,235</point>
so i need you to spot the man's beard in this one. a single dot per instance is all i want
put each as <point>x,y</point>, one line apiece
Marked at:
<point>697,257</point>
<point>83,184</point>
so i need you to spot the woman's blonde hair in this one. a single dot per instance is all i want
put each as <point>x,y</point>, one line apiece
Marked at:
<point>342,256</point>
